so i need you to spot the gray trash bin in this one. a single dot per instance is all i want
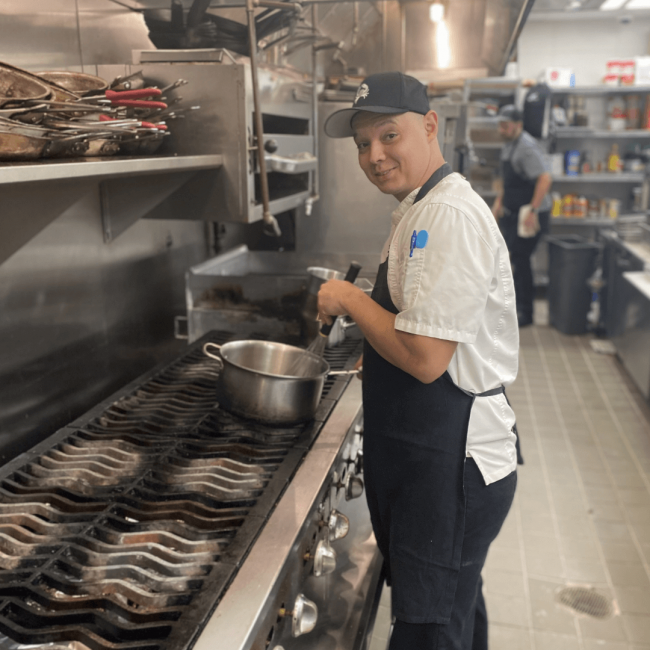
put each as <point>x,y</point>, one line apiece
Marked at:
<point>571,262</point>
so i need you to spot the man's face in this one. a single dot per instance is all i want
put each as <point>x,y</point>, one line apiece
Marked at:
<point>508,130</point>
<point>394,150</point>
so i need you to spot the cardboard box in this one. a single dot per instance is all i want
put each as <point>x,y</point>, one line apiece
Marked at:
<point>559,77</point>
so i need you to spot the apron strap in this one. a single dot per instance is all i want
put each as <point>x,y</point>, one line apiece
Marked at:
<point>499,390</point>
<point>435,178</point>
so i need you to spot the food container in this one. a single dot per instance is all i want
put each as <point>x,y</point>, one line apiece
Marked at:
<point>572,162</point>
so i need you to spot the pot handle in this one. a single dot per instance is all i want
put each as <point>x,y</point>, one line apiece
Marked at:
<point>213,356</point>
<point>356,371</point>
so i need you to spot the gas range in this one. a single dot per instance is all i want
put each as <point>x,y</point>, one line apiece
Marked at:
<point>129,527</point>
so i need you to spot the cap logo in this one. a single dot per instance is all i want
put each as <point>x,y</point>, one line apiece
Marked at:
<point>362,92</point>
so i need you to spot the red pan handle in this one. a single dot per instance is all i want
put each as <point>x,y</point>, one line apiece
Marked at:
<point>138,103</point>
<point>141,93</point>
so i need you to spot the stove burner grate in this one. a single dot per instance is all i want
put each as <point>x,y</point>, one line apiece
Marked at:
<point>124,529</point>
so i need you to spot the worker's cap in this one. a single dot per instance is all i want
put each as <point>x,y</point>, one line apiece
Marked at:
<point>509,113</point>
<point>385,92</point>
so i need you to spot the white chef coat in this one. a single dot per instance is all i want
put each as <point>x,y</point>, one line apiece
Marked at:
<point>459,287</point>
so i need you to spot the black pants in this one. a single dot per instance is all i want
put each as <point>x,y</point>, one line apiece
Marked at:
<point>486,507</point>
<point>521,250</point>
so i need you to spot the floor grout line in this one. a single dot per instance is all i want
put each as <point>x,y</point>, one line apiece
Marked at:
<point>562,424</point>
<point>631,454</point>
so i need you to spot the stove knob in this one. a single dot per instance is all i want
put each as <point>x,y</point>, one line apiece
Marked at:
<point>324,559</point>
<point>353,487</point>
<point>304,617</point>
<point>339,525</point>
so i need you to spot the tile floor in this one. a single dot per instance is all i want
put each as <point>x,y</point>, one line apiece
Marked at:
<point>581,516</point>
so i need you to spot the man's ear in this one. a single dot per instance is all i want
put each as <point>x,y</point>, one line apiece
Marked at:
<point>431,125</point>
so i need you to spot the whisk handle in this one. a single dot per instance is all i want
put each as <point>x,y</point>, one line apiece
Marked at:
<point>350,276</point>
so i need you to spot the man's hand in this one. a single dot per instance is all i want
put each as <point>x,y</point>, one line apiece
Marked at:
<point>530,222</point>
<point>331,297</point>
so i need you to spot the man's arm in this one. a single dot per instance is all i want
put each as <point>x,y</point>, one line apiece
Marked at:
<point>542,187</point>
<point>424,357</point>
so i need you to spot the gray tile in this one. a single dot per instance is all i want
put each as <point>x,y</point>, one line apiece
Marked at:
<point>633,600</point>
<point>600,644</point>
<point>583,570</point>
<point>547,615</point>
<point>637,628</point>
<point>503,583</point>
<point>505,637</point>
<point>628,574</point>
<point>552,641</point>
<point>506,610</point>
<point>503,559</point>
<point>611,629</point>
<point>382,623</point>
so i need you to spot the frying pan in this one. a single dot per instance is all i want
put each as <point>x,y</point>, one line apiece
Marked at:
<point>79,83</point>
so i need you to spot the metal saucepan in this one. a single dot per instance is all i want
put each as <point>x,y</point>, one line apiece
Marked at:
<point>253,382</point>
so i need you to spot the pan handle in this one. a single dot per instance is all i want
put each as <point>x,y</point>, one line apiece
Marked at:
<point>213,356</point>
<point>356,371</point>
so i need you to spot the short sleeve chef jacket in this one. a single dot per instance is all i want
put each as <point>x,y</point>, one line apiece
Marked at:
<point>459,287</point>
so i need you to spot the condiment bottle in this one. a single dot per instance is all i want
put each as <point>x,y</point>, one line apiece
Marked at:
<point>613,160</point>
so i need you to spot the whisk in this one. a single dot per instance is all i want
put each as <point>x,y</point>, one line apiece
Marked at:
<point>303,364</point>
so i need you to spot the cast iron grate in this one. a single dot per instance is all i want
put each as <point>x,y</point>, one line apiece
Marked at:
<point>586,601</point>
<point>124,529</point>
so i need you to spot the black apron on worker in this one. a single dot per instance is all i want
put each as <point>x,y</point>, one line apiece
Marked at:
<point>518,191</point>
<point>415,437</point>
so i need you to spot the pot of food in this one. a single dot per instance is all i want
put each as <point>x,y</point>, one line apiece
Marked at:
<point>254,383</point>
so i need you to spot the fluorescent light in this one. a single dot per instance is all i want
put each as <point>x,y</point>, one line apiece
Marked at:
<point>443,51</point>
<point>612,5</point>
<point>436,12</point>
<point>638,4</point>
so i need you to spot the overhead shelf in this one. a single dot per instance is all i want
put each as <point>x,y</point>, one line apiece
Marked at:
<point>600,90</point>
<point>577,221</point>
<point>587,132</point>
<point>623,177</point>
<point>33,194</point>
<point>100,168</point>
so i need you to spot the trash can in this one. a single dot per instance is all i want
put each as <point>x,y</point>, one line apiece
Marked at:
<point>571,262</point>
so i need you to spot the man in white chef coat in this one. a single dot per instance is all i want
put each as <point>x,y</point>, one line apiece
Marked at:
<point>441,343</point>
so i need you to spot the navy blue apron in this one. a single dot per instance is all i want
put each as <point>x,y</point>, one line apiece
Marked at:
<point>415,439</point>
<point>517,189</point>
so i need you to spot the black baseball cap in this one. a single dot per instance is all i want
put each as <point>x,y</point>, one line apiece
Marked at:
<point>510,113</point>
<point>385,92</point>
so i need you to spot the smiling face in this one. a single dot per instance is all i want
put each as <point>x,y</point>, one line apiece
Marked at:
<point>397,152</point>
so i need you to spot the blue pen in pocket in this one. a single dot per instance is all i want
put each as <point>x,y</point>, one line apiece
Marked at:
<point>414,238</point>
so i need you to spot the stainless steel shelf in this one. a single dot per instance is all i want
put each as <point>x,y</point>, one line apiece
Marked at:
<point>88,168</point>
<point>601,90</point>
<point>575,221</point>
<point>587,132</point>
<point>622,177</point>
<point>488,145</point>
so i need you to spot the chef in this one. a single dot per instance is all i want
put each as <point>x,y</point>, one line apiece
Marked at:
<point>441,343</point>
<point>526,182</point>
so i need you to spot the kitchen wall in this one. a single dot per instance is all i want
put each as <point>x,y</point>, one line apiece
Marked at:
<point>79,318</point>
<point>584,45</point>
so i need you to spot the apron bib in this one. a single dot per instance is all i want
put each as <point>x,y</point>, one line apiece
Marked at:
<point>517,190</point>
<point>415,439</point>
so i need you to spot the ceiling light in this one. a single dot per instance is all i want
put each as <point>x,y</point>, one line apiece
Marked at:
<point>638,4</point>
<point>436,12</point>
<point>612,5</point>
<point>443,50</point>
